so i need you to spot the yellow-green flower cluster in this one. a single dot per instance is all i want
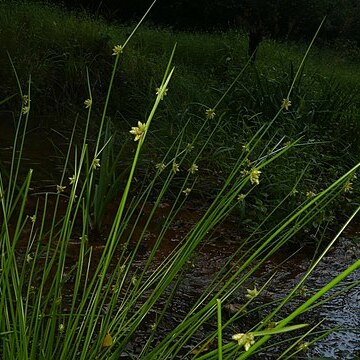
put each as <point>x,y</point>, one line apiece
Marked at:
<point>286,103</point>
<point>251,294</point>
<point>189,147</point>
<point>245,340</point>
<point>138,131</point>
<point>72,179</point>
<point>115,288</point>
<point>161,91</point>
<point>254,176</point>
<point>88,103</point>
<point>246,148</point>
<point>247,162</point>
<point>210,113</point>
<point>60,188</point>
<point>25,100</point>
<point>25,104</point>
<point>348,186</point>
<point>193,169</point>
<point>95,164</point>
<point>160,166</point>
<point>61,328</point>
<point>175,167</point>
<point>84,238</point>
<point>187,191</point>
<point>118,49</point>
<point>310,194</point>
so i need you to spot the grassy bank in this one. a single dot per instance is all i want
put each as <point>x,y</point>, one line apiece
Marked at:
<point>56,48</point>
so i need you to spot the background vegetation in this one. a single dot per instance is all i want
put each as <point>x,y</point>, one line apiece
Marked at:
<point>280,19</point>
<point>57,48</point>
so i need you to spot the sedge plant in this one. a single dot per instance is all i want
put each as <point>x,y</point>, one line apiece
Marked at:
<point>91,301</point>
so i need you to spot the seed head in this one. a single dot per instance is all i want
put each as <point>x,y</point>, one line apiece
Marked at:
<point>254,176</point>
<point>60,189</point>
<point>25,100</point>
<point>29,258</point>
<point>61,328</point>
<point>246,148</point>
<point>348,186</point>
<point>286,103</point>
<point>175,167</point>
<point>118,49</point>
<point>310,194</point>
<point>88,103</point>
<point>160,167</point>
<point>25,109</point>
<point>189,147</point>
<point>245,340</point>
<point>95,164</point>
<point>162,91</point>
<point>138,131</point>
<point>251,294</point>
<point>210,113</point>
<point>193,169</point>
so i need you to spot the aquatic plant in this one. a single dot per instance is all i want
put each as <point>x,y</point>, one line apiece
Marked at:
<point>104,299</point>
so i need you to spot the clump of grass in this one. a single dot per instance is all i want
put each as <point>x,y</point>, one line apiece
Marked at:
<point>93,305</point>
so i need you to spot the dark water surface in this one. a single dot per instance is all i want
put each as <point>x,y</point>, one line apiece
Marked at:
<point>341,312</point>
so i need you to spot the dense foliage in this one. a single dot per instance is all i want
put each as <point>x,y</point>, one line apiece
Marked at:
<point>281,18</point>
<point>324,111</point>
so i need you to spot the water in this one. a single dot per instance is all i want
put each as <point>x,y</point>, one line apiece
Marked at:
<point>342,311</point>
